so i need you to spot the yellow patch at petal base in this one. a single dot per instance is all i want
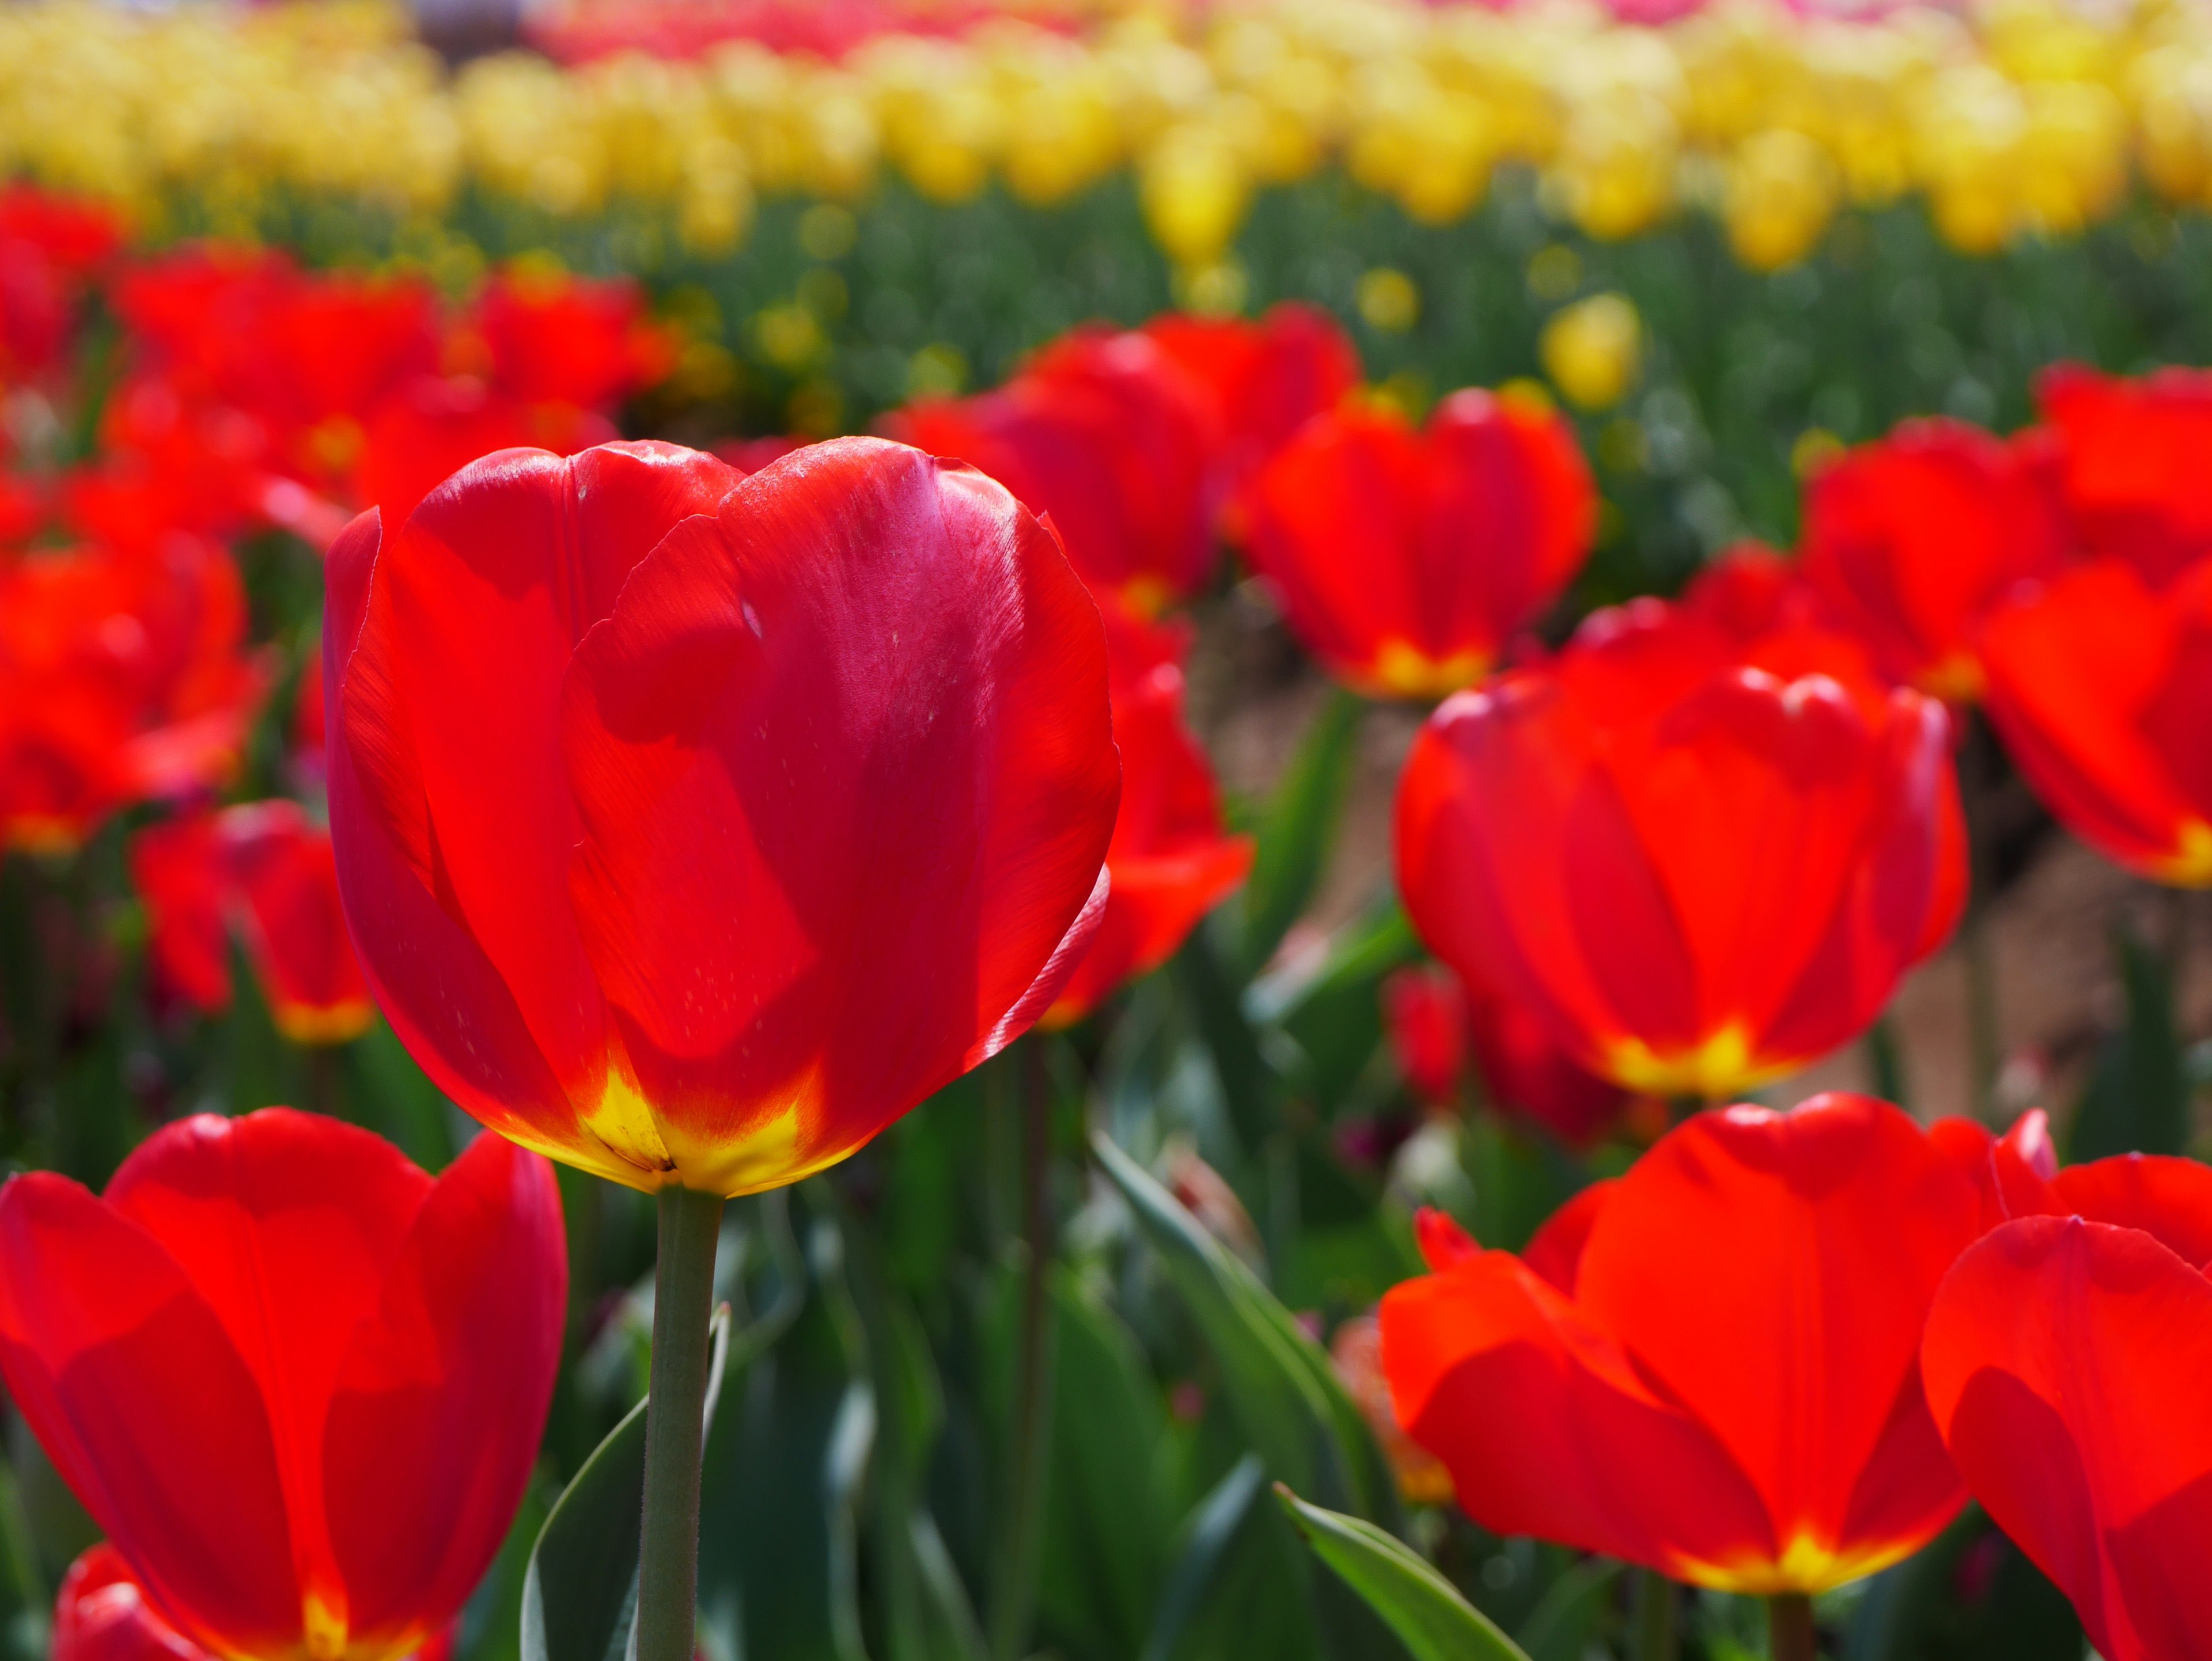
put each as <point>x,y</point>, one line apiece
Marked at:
<point>323,1624</point>
<point>1957,679</point>
<point>341,1023</point>
<point>1146,595</point>
<point>42,837</point>
<point>653,1151</point>
<point>1402,670</point>
<point>2190,865</point>
<point>1806,1564</point>
<point>1722,1065</point>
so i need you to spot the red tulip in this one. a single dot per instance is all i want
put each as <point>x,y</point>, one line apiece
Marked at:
<point>2131,464</point>
<point>1911,540</point>
<point>1715,1370</point>
<point>48,246</point>
<point>1266,379</point>
<point>1171,860</point>
<point>121,677</point>
<point>2065,1359</point>
<point>813,821</point>
<point>431,428</point>
<point>298,1384</point>
<point>1111,438</point>
<point>553,338</point>
<point>2099,687</point>
<point>1424,1014</point>
<point>1698,866</point>
<point>1406,561</point>
<point>1751,592</point>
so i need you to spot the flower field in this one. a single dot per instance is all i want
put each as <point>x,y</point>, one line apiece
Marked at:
<point>965,832</point>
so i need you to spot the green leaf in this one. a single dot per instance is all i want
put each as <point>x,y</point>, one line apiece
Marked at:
<point>1222,1528</point>
<point>2137,1098</point>
<point>1297,829</point>
<point>579,1593</point>
<point>1424,1610</point>
<point>1281,1387</point>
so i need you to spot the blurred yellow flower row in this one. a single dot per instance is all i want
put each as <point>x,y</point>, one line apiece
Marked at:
<point>2024,118</point>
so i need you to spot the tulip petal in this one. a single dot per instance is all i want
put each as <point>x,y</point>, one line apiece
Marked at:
<point>2167,1198</point>
<point>1770,1272</point>
<point>865,714</point>
<point>438,1406</point>
<point>102,1615</point>
<point>129,1381</point>
<point>2065,1363</point>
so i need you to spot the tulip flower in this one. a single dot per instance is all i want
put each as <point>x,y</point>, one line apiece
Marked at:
<point>1405,560</point>
<point>1111,438</point>
<point>553,338</point>
<point>1170,862</point>
<point>2099,687</point>
<point>2065,1358</point>
<point>1911,540</point>
<point>264,870</point>
<point>434,426</point>
<point>298,1384</point>
<point>121,677</point>
<point>49,246</point>
<point>1436,1021</point>
<point>1267,379</point>
<point>1698,866</point>
<point>2131,464</point>
<point>1711,1366</point>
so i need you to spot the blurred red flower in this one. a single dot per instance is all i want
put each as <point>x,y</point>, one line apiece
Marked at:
<point>2102,691</point>
<point>123,676</point>
<point>1711,1366</point>
<point>435,426</point>
<point>1912,539</point>
<point>298,1384</point>
<point>50,246</point>
<point>549,338</point>
<point>2065,1359</point>
<point>2131,463</point>
<point>1405,560</point>
<point>1699,864</point>
<point>1171,862</point>
<point>265,871</point>
<point>1267,379</point>
<point>1424,1014</point>
<point>814,820</point>
<point>1114,440</point>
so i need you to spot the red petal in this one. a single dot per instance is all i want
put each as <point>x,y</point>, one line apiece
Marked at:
<point>864,714</point>
<point>2065,1363</point>
<point>1556,1250</point>
<point>178,875</point>
<point>1770,1271</point>
<point>2166,1198</point>
<point>130,1384</point>
<point>435,1416</point>
<point>1444,1244</point>
<point>102,1615</point>
<point>286,882</point>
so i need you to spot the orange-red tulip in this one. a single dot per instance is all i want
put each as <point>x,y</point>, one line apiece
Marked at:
<point>1698,866</point>
<point>1912,539</point>
<point>121,677</point>
<point>1405,561</point>
<point>1711,1366</point>
<point>298,1384</point>
<point>1112,439</point>
<point>2131,464</point>
<point>2065,1361</point>
<point>1171,862</point>
<point>2101,689</point>
<point>692,827</point>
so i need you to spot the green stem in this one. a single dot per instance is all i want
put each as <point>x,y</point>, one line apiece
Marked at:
<point>1010,1616</point>
<point>668,1562</point>
<point>1657,1626</point>
<point>1789,1627</point>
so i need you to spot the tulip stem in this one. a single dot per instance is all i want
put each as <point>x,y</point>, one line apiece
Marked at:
<point>683,1290</point>
<point>1011,1611</point>
<point>1658,1627</point>
<point>1789,1627</point>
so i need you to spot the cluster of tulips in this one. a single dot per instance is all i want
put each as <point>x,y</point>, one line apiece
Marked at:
<point>2019,119</point>
<point>692,817</point>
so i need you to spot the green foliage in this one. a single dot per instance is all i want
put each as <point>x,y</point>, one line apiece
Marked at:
<point>1424,1609</point>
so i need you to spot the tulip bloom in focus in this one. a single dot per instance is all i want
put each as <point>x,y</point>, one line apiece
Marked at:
<point>1114,440</point>
<point>1170,862</point>
<point>1699,864</point>
<point>1712,1366</point>
<point>268,872</point>
<point>298,1384</point>
<point>1910,540</point>
<point>2065,1361</point>
<point>2131,464</point>
<point>1435,1019</point>
<point>123,676</point>
<point>1405,560</point>
<point>2101,689</point>
<point>811,823</point>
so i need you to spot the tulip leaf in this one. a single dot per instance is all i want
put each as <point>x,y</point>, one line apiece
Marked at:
<point>579,1593</point>
<point>1297,829</point>
<point>1426,1611</point>
<point>2138,1097</point>
<point>1280,1386</point>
